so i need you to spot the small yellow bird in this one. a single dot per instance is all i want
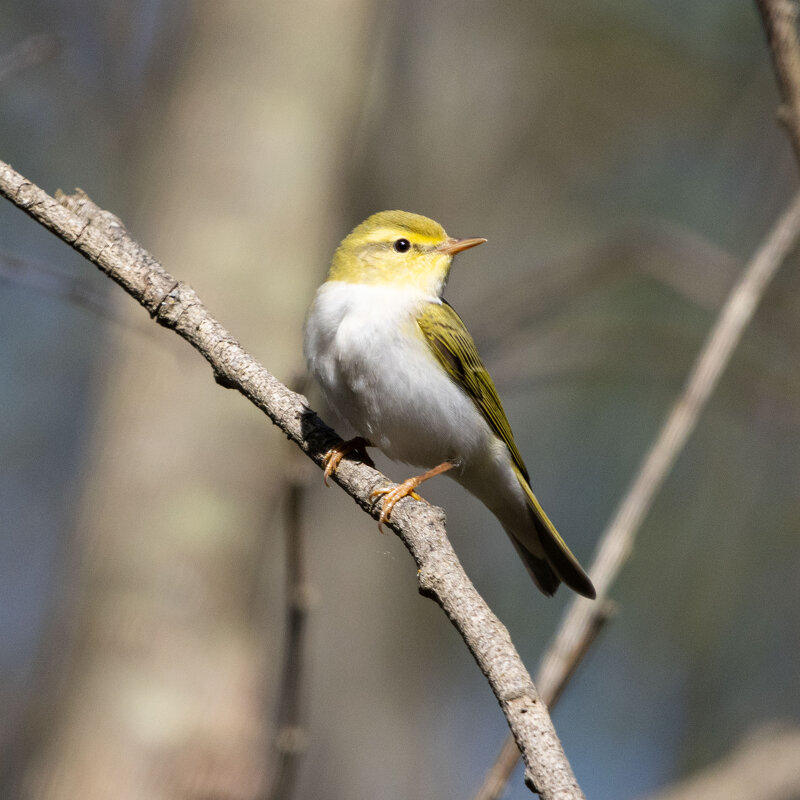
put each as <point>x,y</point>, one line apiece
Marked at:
<point>397,363</point>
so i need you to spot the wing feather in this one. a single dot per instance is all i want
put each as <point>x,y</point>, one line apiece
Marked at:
<point>451,343</point>
<point>449,339</point>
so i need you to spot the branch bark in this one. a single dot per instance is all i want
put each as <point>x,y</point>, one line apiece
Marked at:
<point>494,783</point>
<point>101,237</point>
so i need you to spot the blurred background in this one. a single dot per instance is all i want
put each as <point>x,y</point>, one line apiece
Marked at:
<point>624,161</point>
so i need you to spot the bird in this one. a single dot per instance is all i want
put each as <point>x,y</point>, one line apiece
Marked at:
<point>396,362</point>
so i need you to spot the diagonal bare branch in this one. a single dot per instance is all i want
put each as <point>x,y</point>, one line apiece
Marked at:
<point>101,237</point>
<point>579,626</point>
<point>617,541</point>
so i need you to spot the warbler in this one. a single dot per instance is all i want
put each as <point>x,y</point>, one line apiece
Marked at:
<point>397,363</point>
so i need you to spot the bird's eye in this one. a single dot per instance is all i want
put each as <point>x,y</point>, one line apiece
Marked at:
<point>402,245</point>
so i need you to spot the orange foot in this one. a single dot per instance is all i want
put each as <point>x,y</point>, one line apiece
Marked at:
<point>333,457</point>
<point>393,495</point>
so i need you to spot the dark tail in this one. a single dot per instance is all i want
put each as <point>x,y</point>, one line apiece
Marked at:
<point>558,563</point>
<point>542,573</point>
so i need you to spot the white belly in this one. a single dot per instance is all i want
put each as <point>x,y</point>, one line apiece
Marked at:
<point>365,349</point>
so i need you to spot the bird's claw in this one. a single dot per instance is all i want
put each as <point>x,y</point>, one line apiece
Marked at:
<point>392,495</point>
<point>331,459</point>
<point>334,456</point>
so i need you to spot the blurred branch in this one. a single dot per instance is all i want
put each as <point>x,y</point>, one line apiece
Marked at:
<point>28,53</point>
<point>768,760</point>
<point>41,278</point>
<point>24,272</point>
<point>101,238</point>
<point>290,735</point>
<point>779,18</point>
<point>675,257</point>
<point>617,541</point>
<point>580,623</point>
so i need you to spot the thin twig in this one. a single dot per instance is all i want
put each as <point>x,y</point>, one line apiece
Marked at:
<point>290,736</point>
<point>290,739</point>
<point>32,275</point>
<point>38,277</point>
<point>779,18</point>
<point>28,53</point>
<point>616,543</point>
<point>102,238</point>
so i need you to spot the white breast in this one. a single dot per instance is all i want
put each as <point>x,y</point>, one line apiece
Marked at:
<point>363,345</point>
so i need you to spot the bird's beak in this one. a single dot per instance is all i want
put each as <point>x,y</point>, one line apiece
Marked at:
<point>452,246</point>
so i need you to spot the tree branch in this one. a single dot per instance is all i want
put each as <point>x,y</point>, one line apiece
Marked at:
<point>617,542</point>
<point>101,237</point>
<point>494,783</point>
<point>579,626</point>
<point>290,735</point>
<point>42,278</point>
<point>766,761</point>
<point>25,273</point>
<point>779,18</point>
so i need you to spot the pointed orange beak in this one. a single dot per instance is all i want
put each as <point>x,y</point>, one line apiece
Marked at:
<point>452,246</point>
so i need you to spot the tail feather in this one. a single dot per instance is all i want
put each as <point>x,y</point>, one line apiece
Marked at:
<point>542,573</point>
<point>558,564</point>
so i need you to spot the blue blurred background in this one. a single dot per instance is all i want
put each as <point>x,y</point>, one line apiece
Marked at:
<point>624,161</point>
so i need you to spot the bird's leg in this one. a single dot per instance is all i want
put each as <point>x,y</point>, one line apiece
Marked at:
<point>333,457</point>
<point>396,493</point>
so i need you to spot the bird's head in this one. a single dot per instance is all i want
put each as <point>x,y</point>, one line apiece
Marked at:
<point>396,248</point>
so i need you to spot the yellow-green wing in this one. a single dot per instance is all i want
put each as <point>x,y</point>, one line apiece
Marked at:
<point>449,339</point>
